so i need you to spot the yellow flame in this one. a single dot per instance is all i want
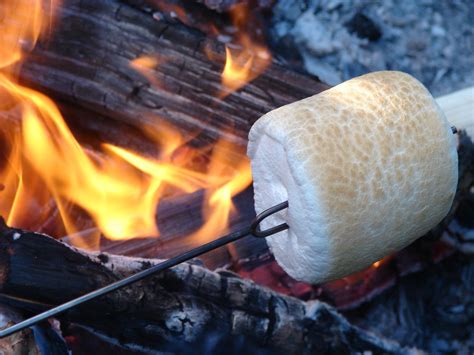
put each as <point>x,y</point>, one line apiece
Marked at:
<point>252,57</point>
<point>236,75</point>
<point>218,205</point>
<point>145,65</point>
<point>21,23</point>
<point>147,62</point>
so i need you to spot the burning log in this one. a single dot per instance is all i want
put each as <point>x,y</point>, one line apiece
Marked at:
<point>88,63</point>
<point>174,310</point>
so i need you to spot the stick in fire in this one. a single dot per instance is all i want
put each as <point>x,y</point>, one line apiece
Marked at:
<point>441,179</point>
<point>254,230</point>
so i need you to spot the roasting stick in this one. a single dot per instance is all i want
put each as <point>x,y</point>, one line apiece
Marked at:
<point>254,230</point>
<point>457,106</point>
<point>459,109</point>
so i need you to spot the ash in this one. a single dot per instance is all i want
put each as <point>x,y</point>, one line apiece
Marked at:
<point>339,39</point>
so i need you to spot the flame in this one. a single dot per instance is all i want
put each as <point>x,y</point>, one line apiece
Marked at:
<point>218,206</point>
<point>34,19</point>
<point>252,57</point>
<point>145,62</point>
<point>247,56</point>
<point>46,175</point>
<point>145,65</point>
<point>21,24</point>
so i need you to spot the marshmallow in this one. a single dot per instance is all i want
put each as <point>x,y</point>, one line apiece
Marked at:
<point>367,167</point>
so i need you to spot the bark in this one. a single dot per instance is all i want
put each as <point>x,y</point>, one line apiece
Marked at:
<point>87,63</point>
<point>187,307</point>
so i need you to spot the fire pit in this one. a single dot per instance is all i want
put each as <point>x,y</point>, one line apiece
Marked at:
<point>123,137</point>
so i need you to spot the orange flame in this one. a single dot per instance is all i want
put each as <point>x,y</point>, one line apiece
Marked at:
<point>218,206</point>
<point>252,58</point>
<point>45,169</point>
<point>21,23</point>
<point>246,56</point>
<point>145,66</point>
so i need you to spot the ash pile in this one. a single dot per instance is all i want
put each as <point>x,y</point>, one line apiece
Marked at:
<point>337,40</point>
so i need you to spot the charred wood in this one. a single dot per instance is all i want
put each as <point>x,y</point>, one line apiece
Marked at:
<point>175,309</point>
<point>87,63</point>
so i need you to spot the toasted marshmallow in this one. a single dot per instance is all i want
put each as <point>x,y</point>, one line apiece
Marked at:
<point>367,167</point>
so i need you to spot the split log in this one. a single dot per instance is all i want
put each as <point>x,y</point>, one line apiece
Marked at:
<point>179,217</point>
<point>187,307</point>
<point>87,63</point>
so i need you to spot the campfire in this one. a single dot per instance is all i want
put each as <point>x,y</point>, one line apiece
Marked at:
<point>123,143</point>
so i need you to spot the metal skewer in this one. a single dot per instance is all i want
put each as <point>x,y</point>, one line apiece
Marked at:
<point>253,229</point>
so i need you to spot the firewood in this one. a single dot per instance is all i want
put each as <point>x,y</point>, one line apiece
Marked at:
<point>87,63</point>
<point>175,309</point>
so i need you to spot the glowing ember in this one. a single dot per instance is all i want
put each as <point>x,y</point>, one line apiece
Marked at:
<point>377,263</point>
<point>145,62</point>
<point>45,172</point>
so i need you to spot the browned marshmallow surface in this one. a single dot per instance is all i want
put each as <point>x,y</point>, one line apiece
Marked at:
<point>367,166</point>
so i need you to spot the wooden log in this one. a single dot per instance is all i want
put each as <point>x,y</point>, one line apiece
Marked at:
<point>176,310</point>
<point>87,63</point>
<point>179,217</point>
